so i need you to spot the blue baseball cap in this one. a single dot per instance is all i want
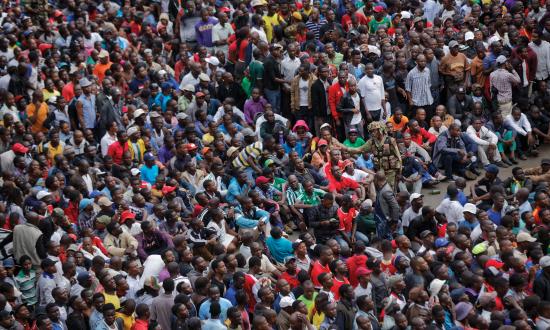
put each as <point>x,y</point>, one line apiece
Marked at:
<point>441,242</point>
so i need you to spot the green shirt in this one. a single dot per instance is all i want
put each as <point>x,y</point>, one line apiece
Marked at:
<point>309,303</point>
<point>247,86</point>
<point>374,24</point>
<point>313,199</point>
<point>256,72</point>
<point>358,142</point>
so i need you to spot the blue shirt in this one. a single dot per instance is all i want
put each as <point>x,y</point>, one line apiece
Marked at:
<point>230,294</point>
<point>467,224</point>
<point>279,248</point>
<point>298,148</point>
<point>494,216</point>
<point>213,324</point>
<point>204,311</point>
<point>149,174</point>
<point>234,190</point>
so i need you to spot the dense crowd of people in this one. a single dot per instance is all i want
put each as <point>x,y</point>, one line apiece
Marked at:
<point>261,165</point>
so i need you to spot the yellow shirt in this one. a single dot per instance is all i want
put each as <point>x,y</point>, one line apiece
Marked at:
<point>112,298</point>
<point>270,22</point>
<point>317,319</point>
<point>128,321</point>
<point>54,151</point>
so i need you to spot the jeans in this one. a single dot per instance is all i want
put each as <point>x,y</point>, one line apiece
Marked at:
<point>451,163</point>
<point>359,236</point>
<point>274,98</point>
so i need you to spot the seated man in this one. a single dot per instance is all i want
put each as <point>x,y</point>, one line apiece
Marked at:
<point>450,153</point>
<point>524,133</point>
<point>338,184</point>
<point>540,124</point>
<point>152,241</point>
<point>517,181</point>
<point>323,219</point>
<point>486,143</point>
<point>420,135</point>
<point>506,144</point>
<point>248,216</point>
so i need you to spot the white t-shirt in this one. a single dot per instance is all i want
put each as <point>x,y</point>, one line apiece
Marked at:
<point>303,86</point>
<point>358,175</point>
<point>372,90</point>
<point>356,119</point>
<point>408,215</point>
<point>453,210</point>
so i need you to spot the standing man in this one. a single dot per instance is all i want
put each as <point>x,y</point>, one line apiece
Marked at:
<point>371,87</point>
<point>319,99</point>
<point>221,32</point>
<point>501,81</point>
<point>542,49</point>
<point>273,78</point>
<point>335,93</point>
<point>386,209</point>
<point>85,106</point>
<point>289,68</point>
<point>455,69</point>
<point>203,29</point>
<point>418,85</point>
<point>300,94</point>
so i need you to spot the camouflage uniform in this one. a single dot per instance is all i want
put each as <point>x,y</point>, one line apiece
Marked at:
<point>386,155</point>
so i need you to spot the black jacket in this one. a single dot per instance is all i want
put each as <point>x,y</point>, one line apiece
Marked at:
<point>541,287</point>
<point>319,99</point>
<point>346,106</point>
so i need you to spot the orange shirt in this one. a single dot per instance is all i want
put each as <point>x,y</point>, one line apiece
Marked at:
<point>39,115</point>
<point>100,69</point>
<point>399,127</point>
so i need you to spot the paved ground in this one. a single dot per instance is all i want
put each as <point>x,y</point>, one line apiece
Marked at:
<point>434,200</point>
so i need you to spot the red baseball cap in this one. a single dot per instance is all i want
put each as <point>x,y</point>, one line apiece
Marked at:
<point>127,215</point>
<point>262,179</point>
<point>191,146</point>
<point>18,147</point>
<point>168,189</point>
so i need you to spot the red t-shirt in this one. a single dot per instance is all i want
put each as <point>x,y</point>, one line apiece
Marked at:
<point>232,51</point>
<point>344,183</point>
<point>116,150</point>
<point>292,280</point>
<point>353,263</point>
<point>346,219</point>
<point>316,270</point>
<point>336,287</point>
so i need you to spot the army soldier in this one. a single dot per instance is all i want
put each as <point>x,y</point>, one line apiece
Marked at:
<point>386,155</point>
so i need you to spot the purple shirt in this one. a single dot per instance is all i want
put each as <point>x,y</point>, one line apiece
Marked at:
<point>203,31</point>
<point>165,155</point>
<point>252,108</point>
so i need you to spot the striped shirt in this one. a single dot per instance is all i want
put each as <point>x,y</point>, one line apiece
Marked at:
<point>315,27</point>
<point>502,80</point>
<point>418,83</point>
<point>292,195</point>
<point>253,151</point>
<point>27,285</point>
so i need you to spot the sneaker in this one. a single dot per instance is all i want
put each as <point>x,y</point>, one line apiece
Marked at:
<point>514,161</point>
<point>475,172</point>
<point>469,175</point>
<point>455,177</point>
<point>441,177</point>
<point>501,164</point>
<point>507,162</point>
<point>288,229</point>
